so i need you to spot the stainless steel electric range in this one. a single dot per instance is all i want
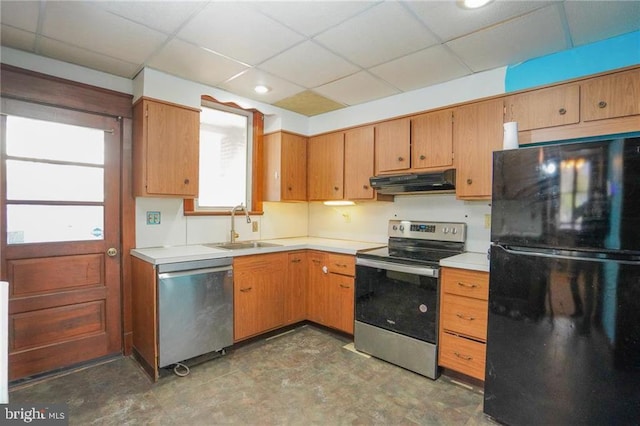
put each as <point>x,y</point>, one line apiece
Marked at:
<point>397,290</point>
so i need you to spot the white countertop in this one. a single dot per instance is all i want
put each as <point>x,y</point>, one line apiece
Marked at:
<point>160,255</point>
<point>468,260</point>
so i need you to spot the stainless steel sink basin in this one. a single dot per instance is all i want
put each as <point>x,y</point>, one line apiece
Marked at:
<point>240,245</point>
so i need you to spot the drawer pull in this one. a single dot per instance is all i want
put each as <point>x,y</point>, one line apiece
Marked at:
<point>296,260</point>
<point>461,356</point>
<point>316,261</point>
<point>344,286</point>
<point>461,284</point>
<point>602,104</point>
<point>562,111</point>
<point>246,289</point>
<point>340,265</point>
<point>461,316</point>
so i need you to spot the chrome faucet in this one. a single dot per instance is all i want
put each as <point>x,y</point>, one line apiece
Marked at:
<point>234,235</point>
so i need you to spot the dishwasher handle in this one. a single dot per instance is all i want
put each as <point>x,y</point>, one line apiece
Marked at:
<point>167,275</point>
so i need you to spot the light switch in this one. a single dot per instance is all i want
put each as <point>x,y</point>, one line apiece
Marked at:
<point>153,218</point>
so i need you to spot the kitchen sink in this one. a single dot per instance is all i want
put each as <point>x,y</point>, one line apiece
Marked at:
<point>240,245</point>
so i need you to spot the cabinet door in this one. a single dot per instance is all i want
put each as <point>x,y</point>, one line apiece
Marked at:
<point>432,140</point>
<point>555,106</point>
<point>295,296</point>
<point>393,145</point>
<point>258,294</point>
<point>477,132</point>
<point>272,167</point>
<point>294,167</point>
<point>611,96</point>
<point>172,149</point>
<point>318,296</point>
<point>341,306</point>
<point>358,163</point>
<point>326,167</point>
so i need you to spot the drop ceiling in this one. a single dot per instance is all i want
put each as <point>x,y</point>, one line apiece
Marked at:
<point>315,56</point>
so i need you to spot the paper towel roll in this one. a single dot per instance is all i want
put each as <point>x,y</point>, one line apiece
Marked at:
<point>510,140</point>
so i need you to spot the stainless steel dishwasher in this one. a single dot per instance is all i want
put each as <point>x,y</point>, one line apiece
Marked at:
<point>195,309</point>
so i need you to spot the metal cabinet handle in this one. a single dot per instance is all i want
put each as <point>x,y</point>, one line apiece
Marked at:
<point>316,261</point>
<point>602,104</point>
<point>422,157</point>
<point>400,158</point>
<point>186,181</point>
<point>335,188</point>
<point>296,260</point>
<point>461,356</point>
<point>365,186</point>
<point>462,316</point>
<point>340,265</point>
<point>461,284</point>
<point>469,181</point>
<point>562,111</point>
<point>344,286</point>
<point>246,289</point>
<point>289,188</point>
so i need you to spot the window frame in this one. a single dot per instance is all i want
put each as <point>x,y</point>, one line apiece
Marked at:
<point>189,204</point>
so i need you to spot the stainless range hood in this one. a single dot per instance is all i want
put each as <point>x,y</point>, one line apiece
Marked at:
<point>415,183</point>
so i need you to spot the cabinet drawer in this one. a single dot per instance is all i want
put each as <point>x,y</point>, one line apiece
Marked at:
<point>342,264</point>
<point>462,355</point>
<point>463,315</point>
<point>466,283</point>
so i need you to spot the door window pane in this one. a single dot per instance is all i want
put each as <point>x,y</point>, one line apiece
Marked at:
<point>54,141</point>
<point>28,180</point>
<point>46,223</point>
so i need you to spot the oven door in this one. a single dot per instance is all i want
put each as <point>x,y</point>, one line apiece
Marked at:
<point>398,297</point>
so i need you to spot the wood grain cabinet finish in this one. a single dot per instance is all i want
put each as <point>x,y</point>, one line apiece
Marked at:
<point>144,296</point>
<point>358,163</point>
<point>166,141</point>
<point>554,106</point>
<point>463,321</point>
<point>318,290</point>
<point>477,133</point>
<point>326,167</point>
<point>393,145</point>
<point>611,96</point>
<point>285,167</point>
<point>432,140</point>
<point>258,294</point>
<point>341,292</point>
<point>295,295</point>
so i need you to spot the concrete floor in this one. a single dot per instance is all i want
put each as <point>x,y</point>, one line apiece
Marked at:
<point>302,377</point>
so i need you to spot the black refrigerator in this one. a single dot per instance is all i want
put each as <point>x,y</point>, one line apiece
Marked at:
<point>563,339</point>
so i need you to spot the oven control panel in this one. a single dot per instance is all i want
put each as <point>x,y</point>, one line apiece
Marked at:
<point>437,231</point>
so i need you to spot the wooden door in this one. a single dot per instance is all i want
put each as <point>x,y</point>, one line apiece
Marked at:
<point>326,167</point>
<point>318,297</point>
<point>294,167</point>
<point>477,132</point>
<point>611,96</point>
<point>432,140</point>
<point>358,163</point>
<point>60,202</point>
<point>295,296</point>
<point>393,145</point>
<point>341,296</point>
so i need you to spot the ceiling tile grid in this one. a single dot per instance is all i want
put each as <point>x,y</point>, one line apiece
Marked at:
<point>316,56</point>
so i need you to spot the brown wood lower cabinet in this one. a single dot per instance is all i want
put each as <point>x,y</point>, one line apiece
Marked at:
<point>296,287</point>
<point>463,321</point>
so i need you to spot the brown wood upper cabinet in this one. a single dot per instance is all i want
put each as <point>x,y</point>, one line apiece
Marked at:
<point>326,167</point>
<point>477,132</point>
<point>611,96</point>
<point>358,163</point>
<point>166,140</point>
<point>285,167</point>
<point>432,140</point>
<point>393,145</point>
<point>554,106</point>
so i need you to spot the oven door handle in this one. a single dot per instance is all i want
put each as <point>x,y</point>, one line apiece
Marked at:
<point>398,267</point>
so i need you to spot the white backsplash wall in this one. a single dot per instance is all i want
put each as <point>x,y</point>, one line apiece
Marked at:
<point>280,220</point>
<point>367,221</point>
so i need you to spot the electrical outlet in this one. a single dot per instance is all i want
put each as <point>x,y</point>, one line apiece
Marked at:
<point>153,218</point>
<point>254,226</point>
<point>487,221</point>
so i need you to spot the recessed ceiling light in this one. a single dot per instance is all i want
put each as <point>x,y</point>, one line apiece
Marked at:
<point>473,4</point>
<point>261,89</point>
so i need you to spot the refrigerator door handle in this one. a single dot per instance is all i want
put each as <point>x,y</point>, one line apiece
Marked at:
<point>568,255</point>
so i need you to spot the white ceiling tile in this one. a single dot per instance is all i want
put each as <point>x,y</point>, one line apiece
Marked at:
<point>244,83</point>
<point>448,20</point>
<point>309,65</point>
<point>356,88</point>
<point>194,63</point>
<point>311,17</point>
<point>65,52</point>
<point>239,31</point>
<point>87,26</point>
<point>512,42</point>
<point>17,39</point>
<point>165,16</point>
<point>424,68</point>
<point>597,20</point>
<point>20,14</point>
<point>380,34</point>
